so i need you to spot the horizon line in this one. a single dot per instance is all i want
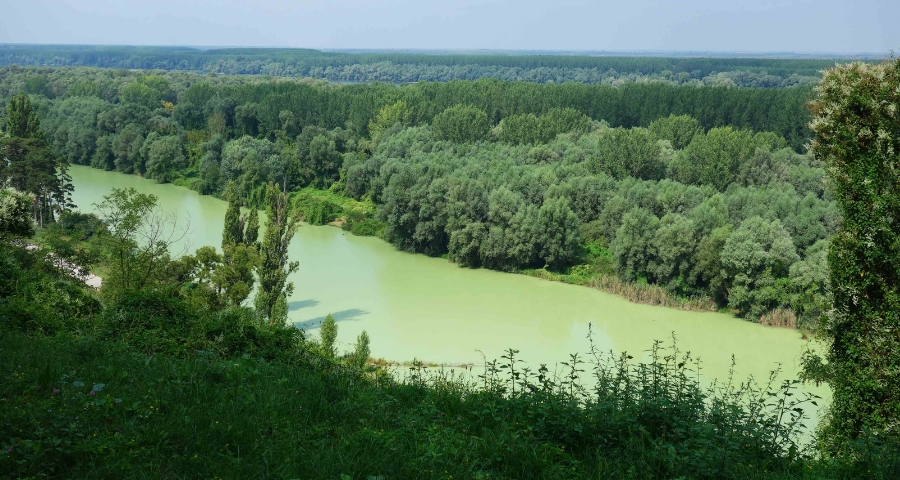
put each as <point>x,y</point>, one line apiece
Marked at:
<point>502,51</point>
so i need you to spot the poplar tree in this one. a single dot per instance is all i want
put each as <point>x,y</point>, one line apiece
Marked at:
<point>233,231</point>
<point>857,135</point>
<point>274,267</point>
<point>251,229</point>
<point>361,352</point>
<point>328,333</point>
<point>240,253</point>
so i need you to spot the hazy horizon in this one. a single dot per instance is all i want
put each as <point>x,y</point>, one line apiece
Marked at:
<point>490,51</point>
<point>802,27</point>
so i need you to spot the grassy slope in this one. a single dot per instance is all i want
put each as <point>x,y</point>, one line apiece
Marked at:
<point>159,417</point>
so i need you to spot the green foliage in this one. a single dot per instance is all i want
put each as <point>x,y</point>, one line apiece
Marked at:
<point>21,118</point>
<point>629,153</point>
<point>678,130</point>
<point>520,129</point>
<point>152,380</point>
<point>433,196</point>
<point>361,351</point>
<point>388,116</point>
<point>148,90</point>
<point>235,274</point>
<point>230,276</point>
<point>558,225</point>
<point>531,129</point>
<point>461,124</point>
<point>858,137</point>
<point>328,335</point>
<point>140,235</point>
<point>233,231</point>
<point>714,158</point>
<point>319,212</point>
<point>360,225</point>
<point>38,298</point>
<point>560,120</point>
<point>29,166</point>
<point>632,248</point>
<point>396,67</point>
<point>164,156</point>
<point>757,254</point>
<point>15,215</point>
<point>111,411</point>
<point>274,267</point>
<point>251,230</point>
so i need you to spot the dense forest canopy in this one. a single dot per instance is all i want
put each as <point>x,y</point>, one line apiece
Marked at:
<point>415,67</point>
<point>261,100</point>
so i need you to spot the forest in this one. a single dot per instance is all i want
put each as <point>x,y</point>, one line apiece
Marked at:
<point>701,192</point>
<point>416,67</point>
<point>167,369</point>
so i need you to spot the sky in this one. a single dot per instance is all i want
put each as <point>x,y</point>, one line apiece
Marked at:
<point>801,26</point>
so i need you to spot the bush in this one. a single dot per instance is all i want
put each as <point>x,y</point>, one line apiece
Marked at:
<point>359,224</point>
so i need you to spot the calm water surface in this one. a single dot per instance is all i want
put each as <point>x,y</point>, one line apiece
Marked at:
<point>414,306</point>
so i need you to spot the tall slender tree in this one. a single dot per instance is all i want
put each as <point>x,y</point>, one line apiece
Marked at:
<point>274,267</point>
<point>233,231</point>
<point>240,256</point>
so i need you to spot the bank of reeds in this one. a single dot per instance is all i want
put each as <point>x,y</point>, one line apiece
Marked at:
<point>780,317</point>
<point>635,292</point>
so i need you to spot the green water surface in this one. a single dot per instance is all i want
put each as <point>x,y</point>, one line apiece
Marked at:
<point>414,306</point>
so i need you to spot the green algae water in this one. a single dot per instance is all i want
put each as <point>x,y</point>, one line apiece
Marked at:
<point>416,307</point>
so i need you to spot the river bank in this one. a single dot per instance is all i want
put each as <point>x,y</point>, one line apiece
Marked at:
<point>414,306</point>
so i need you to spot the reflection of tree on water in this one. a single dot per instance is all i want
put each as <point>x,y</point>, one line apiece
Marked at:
<point>341,316</point>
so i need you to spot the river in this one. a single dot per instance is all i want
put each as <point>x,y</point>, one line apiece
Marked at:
<point>413,306</point>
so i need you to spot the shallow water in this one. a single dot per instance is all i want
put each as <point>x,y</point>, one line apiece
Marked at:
<point>413,306</point>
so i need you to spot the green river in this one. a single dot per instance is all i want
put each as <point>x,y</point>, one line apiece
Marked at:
<point>414,306</point>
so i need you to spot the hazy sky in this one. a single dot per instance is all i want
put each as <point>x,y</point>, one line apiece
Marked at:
<point>672,25</point>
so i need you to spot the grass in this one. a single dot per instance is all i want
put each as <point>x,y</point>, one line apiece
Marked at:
<point>92,409</point>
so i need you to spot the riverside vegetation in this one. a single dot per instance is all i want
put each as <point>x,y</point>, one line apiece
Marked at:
<point>620,188</point>
<point>163,372</point>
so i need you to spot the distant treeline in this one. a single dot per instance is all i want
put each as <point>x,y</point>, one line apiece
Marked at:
<point>412,67</point>
<point>255,105</point>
